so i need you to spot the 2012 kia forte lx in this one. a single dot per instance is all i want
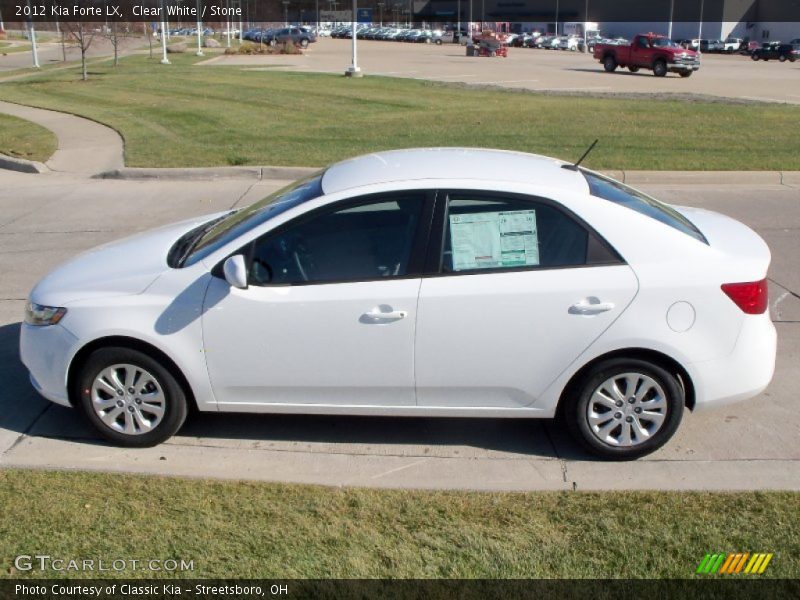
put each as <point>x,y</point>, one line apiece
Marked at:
<point>431,282</point>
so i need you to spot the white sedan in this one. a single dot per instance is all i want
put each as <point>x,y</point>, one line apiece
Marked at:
<point>433,282</point>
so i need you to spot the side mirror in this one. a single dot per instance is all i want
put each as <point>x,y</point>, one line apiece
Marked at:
<point>235,271</point>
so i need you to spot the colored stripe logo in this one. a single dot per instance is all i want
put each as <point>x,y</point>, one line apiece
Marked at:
<point>734,562</point>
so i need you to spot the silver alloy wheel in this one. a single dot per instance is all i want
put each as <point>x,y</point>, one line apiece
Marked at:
<point>627,409</point>
<point>128,399</point>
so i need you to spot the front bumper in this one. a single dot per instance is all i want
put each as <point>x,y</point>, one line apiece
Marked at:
<point>46,353</point>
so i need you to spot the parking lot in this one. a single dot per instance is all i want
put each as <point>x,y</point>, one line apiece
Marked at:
<point>728,76</point>
<point>48,218</point>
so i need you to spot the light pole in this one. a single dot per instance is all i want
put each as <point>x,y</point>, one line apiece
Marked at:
<point>164,59</point>
<point>700,32</point>
<point>353,70</point>
<point>32,32</point>
<point>380,12</point>
<point>457,36</point>
<point>585,20</point>
<point>228,26</point>
<point>199,31</point>
<point>671,15</point>
<point>556,18</point>
<point>285,13</point>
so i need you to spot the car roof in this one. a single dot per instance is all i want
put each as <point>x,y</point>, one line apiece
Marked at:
<point>451,164</point>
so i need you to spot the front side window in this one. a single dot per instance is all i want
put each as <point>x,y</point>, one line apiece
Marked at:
<point>363,241</point>
<point>619,193</point>
<point>488,233</point>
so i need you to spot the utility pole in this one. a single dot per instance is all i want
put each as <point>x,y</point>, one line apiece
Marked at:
<point>700,33</point>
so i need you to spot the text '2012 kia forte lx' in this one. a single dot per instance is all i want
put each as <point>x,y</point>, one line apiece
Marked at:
<point>429,282</point>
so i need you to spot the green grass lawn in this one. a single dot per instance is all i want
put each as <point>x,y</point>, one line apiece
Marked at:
<point>11,48</point>
<point>24,139</point>
<point>291,531</point>
<point>184,115</point>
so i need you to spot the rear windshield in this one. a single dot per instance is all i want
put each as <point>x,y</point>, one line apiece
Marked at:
<point>618,193</point>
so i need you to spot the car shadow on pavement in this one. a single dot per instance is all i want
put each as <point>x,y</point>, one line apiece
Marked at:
<point>23,411</point>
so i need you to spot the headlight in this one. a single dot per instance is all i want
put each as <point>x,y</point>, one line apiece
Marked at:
<point>36,314</point>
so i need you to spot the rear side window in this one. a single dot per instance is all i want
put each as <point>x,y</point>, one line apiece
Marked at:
<point>486,232</point>
<point>618,193</point>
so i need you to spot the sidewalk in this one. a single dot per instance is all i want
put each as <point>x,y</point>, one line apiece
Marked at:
<point>84,147</point>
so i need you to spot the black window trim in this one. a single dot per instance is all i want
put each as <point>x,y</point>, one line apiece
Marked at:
<point>419,248</point>
<point>435,257</point>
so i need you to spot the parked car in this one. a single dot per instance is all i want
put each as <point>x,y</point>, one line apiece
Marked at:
<point>437,282</point>
<point>732,45</point>
<point>295,35</point>
<point>781,52</point>
<point>649,51</point>
<point>570,42</point>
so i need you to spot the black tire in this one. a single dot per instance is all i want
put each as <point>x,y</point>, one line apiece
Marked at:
<point>304,43</point>
<point>175,402</point>
<point>633,69</point>
<point>610,64</point>
<point>574,409</point>
<point>754,57</point>
<point>438,42</point>
<point>686,74</point>
<point>660,68</point>
<point>782,58</point>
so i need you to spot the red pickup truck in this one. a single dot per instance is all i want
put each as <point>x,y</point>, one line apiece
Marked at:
<point>649,51</point>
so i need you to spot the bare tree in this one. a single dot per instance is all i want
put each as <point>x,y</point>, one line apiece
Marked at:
<point>83,37</point>
<point>114,35</point>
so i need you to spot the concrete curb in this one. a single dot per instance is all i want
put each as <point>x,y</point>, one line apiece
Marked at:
<point>256,173</point>
<point>629,177</point>
<point>20,164</point>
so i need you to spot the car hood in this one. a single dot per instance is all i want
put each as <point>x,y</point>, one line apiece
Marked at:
<point>123,267</point>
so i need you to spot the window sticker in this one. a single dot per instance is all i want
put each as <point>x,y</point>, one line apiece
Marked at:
<point>494,240</point>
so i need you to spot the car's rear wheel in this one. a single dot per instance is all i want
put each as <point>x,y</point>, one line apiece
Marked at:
<point>624,408</point>
<point>304,43</point>
<point>130,398</point>
<point>610,64</point>
<point>782,58</point>
<point>754,57</point>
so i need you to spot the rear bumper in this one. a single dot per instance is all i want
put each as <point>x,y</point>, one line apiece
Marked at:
<point>744,373</point>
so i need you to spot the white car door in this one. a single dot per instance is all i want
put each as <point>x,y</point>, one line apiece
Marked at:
<point>328,316</point>
<point>524,288</point>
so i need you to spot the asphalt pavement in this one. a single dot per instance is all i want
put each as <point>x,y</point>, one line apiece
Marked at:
<point>46,218</point>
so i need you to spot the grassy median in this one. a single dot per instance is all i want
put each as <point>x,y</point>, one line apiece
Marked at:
<point>24,139</point>
<point>185,115</point>
<point>292,531</point>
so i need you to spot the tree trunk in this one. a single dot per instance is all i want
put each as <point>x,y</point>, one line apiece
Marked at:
<point>115,41</point>
<point>82,42</point>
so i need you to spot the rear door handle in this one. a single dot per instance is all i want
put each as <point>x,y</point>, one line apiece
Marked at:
<point>590,306</point>
<point>392,315</point>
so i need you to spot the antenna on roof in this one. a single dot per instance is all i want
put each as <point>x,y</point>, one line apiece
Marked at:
<point>581,159</point>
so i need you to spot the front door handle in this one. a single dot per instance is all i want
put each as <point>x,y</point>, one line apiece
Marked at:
<point>590,306</point>
<point>392,315</point>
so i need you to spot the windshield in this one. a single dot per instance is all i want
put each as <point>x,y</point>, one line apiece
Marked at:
<point>664,43</point>
<point>237,223</point>
<point>618,193</point>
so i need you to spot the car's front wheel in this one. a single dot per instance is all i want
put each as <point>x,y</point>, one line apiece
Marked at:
<point>624,408</point>
<point>130,398</point>
<point>610,64</point>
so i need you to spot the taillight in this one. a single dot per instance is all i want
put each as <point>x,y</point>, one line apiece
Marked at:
<point>751,297</point>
